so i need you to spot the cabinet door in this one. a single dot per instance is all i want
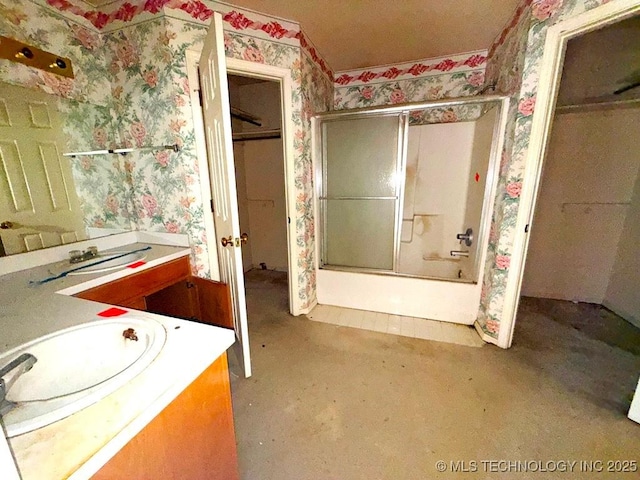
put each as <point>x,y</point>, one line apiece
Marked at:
<point>193,438</point>
<point>178,300</point>
<point>214,301</point>
<point>197,299</point>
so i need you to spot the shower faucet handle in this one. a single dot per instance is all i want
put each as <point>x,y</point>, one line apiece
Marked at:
<point>466,237</point>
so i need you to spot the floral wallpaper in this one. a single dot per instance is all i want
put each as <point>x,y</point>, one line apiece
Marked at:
<point>514,65</point>
<point>103,185</point>
<point>316,94</point>
<point>455,113</point>
<point>135,68</point>
<point>142,77</point>
<point>46,29</point>
<point>84,102</point>
<point>148,96</point>
<point>431,79</point>
<point>312,91</point>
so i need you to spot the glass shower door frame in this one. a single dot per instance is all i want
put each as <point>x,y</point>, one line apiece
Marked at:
<point>399,175</point>
<point>403,111</point>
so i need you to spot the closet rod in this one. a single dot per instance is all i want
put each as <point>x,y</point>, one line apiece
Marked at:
<point>257,135</point>
<point>245,116</point>
<point>123,151</point>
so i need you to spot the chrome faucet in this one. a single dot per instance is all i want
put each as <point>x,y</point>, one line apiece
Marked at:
<point>15,368</point>
<point>77,256</point>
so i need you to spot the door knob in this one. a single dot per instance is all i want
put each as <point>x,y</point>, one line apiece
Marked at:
<point>466,237</point>
<point>6,225</point>
<point>244,238</point>
<point>227,242</point>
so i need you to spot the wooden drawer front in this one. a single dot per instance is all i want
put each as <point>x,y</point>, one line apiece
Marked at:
<point>129,290</point>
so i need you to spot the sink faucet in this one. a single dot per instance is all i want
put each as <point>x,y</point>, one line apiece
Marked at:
<point>16,368</point>
<point>77,256</point>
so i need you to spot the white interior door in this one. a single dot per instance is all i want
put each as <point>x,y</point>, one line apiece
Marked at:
<point>37,192</point>
<point>217,124</point>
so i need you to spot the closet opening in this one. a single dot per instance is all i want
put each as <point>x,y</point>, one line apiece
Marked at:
<point>256,122</point>
<point>582,263</point>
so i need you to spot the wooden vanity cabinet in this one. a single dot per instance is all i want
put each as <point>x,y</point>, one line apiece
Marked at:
<point>169,289</point>
<point>192,438</point>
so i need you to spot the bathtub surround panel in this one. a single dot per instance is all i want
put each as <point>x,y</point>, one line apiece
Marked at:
<point>445,301</point>
<point>437,182</point>
<point>479,183</point>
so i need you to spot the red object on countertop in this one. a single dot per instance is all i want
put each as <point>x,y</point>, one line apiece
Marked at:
<point>136,264</point>
<point>112,312</point>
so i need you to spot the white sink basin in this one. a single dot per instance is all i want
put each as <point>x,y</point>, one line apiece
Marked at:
<point>76,367</point>
<point>109,265</point>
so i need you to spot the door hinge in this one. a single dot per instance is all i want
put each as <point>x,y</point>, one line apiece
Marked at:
<point>213,210</point>
<point>289,220</point>
<point>200,95</point>
<point>526,228</point>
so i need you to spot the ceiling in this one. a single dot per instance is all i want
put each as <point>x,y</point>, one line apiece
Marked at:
<point>363,33</point>
<point>353,34</point>
<point>601,62</point>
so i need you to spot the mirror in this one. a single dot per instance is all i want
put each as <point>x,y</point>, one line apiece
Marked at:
<point>47,198</point>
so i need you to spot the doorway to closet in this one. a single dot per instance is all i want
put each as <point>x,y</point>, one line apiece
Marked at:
<point>256,120</point>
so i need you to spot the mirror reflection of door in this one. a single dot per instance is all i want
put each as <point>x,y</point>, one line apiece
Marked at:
<point>37,197</point>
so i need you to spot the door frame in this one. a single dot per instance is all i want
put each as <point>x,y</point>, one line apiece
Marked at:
<point>548,83</point>
<point>283,77</point>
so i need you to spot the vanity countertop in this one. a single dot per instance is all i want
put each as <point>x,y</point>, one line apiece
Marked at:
<point>79,445</point>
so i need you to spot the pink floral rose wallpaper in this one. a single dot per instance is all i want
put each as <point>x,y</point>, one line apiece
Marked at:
<point>514,66</point>
<point>131,88</point>
<point>429,79</point>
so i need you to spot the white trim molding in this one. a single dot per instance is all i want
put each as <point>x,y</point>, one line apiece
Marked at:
<point>267,72</point>
<point>551,68</point>
<point>282,75</point>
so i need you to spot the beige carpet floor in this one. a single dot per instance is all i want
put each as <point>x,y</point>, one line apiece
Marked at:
<point>332,402</point>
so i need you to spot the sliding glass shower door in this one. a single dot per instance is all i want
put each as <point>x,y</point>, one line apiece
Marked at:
<point>360,191</point>
<point>408,190</point>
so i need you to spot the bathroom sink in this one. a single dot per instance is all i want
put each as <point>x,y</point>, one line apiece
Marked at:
<point>76,367</point>
<point>119,262</point>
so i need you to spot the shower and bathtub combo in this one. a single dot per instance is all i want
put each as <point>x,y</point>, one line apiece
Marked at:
<point>404,201</point>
